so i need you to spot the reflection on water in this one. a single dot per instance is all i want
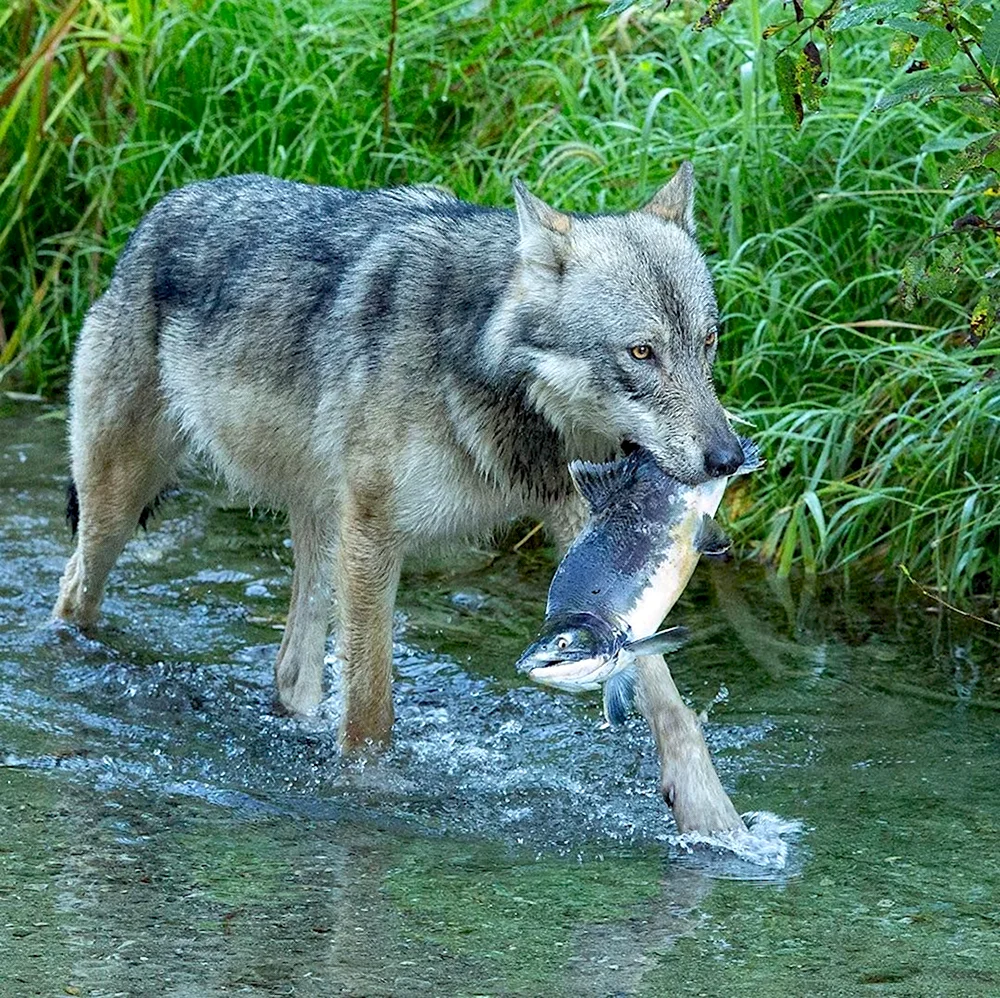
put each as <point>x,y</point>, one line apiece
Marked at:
<point>159,822</point>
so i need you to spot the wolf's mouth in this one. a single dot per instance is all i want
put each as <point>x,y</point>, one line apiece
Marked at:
<point>629,447</point>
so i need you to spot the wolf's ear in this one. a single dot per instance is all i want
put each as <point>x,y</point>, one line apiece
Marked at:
<point>544,231</point>
<point>674,202</point>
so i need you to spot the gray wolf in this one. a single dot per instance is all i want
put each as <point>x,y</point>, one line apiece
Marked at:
<point>394,368</point>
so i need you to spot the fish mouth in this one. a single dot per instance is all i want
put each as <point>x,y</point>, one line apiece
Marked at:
<point>567,671</point>
<point>588,672</point>
<point>574,668</point>
<point>536,657</point>
<point>580,674</point>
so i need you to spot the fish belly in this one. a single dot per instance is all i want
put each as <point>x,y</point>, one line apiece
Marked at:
<point>663,590</point>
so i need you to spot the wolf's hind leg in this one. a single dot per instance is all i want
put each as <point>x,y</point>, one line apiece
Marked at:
<point>371,556</point>
<point>124,452</point>
<point>115,481</point>
<point>298,672</point>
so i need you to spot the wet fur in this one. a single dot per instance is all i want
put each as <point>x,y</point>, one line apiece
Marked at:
<point>394,368</point>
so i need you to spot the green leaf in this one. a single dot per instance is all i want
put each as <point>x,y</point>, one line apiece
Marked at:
<point>984,316</point>
<point>901,50</point>
<point>917,28</point>
<point>786,553</point>
<point>617,7</point>
<point>991,45</point>
<point>880,10</point>
<point>807,75</point>
<point>978,111</point>
<point>939,47</point>
<point>981,153</point>
<point>786,76</point>
<point>927,85</point>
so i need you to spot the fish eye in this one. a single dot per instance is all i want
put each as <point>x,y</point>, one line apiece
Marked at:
<point>641,351</point>
<point>563,642</point>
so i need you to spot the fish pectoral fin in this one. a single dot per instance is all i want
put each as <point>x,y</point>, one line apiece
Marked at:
<point>661,643</point>
<point>711,538</point>
<point>619,696</point>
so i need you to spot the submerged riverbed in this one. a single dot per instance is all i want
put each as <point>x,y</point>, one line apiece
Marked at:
<point>162,832</point>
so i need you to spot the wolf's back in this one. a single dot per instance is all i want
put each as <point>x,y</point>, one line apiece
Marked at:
<point>259,256</point>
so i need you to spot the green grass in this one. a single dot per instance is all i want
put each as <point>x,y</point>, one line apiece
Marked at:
<point>883,440</point>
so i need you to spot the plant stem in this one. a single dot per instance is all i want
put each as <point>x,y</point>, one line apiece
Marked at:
<point>964,46</point>
<point>390,55</point>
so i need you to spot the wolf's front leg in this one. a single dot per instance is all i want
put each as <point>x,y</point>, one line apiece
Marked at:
<point>371,555</point>
<point>688,780</point>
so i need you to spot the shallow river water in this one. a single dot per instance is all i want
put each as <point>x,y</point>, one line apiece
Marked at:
<point>162,832</point>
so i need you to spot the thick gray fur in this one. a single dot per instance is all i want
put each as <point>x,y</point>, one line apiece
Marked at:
<point>393,367</point>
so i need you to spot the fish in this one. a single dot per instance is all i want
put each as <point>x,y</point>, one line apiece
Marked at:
<point>623,574</point>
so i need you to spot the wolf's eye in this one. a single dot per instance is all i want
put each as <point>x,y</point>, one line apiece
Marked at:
<point>641,351</point>
<point>711,338</point>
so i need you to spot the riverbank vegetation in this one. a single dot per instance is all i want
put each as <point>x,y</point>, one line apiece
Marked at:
<point>879,413</point>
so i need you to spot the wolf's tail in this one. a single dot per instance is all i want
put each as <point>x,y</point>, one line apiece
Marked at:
<point>73,508</point>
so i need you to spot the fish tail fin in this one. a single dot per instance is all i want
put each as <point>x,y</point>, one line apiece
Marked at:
<point>752,461</point>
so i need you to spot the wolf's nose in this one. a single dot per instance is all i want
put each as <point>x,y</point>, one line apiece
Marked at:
<point>723,460</point>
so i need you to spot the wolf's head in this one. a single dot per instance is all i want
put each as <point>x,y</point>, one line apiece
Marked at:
<point>614,329</point>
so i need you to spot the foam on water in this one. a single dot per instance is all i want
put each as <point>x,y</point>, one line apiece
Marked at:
<point>765,845</point>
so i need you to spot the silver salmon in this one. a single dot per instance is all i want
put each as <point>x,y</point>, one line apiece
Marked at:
<point>624,573</point>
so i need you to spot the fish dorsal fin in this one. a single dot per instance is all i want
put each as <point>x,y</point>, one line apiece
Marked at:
<point>600,483</point>
<point>619,696</point>
<point>711,539</point>
<point>661,643</point>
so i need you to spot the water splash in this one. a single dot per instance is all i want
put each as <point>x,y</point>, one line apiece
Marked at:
<point>523,765</point>
<point>173,697</point>
<point>761,852</point>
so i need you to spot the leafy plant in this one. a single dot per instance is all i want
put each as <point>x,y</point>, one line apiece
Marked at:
<point>900,463</point>
<point>949,52</point>
<point>880,424</point>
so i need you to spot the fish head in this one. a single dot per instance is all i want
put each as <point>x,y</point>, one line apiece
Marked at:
<point>573,653</point>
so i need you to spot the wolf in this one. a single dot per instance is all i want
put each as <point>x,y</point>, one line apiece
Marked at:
<point>395,368</point>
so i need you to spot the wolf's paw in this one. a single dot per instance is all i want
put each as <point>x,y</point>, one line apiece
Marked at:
<point>75,604</point>
<point>300,690</point>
